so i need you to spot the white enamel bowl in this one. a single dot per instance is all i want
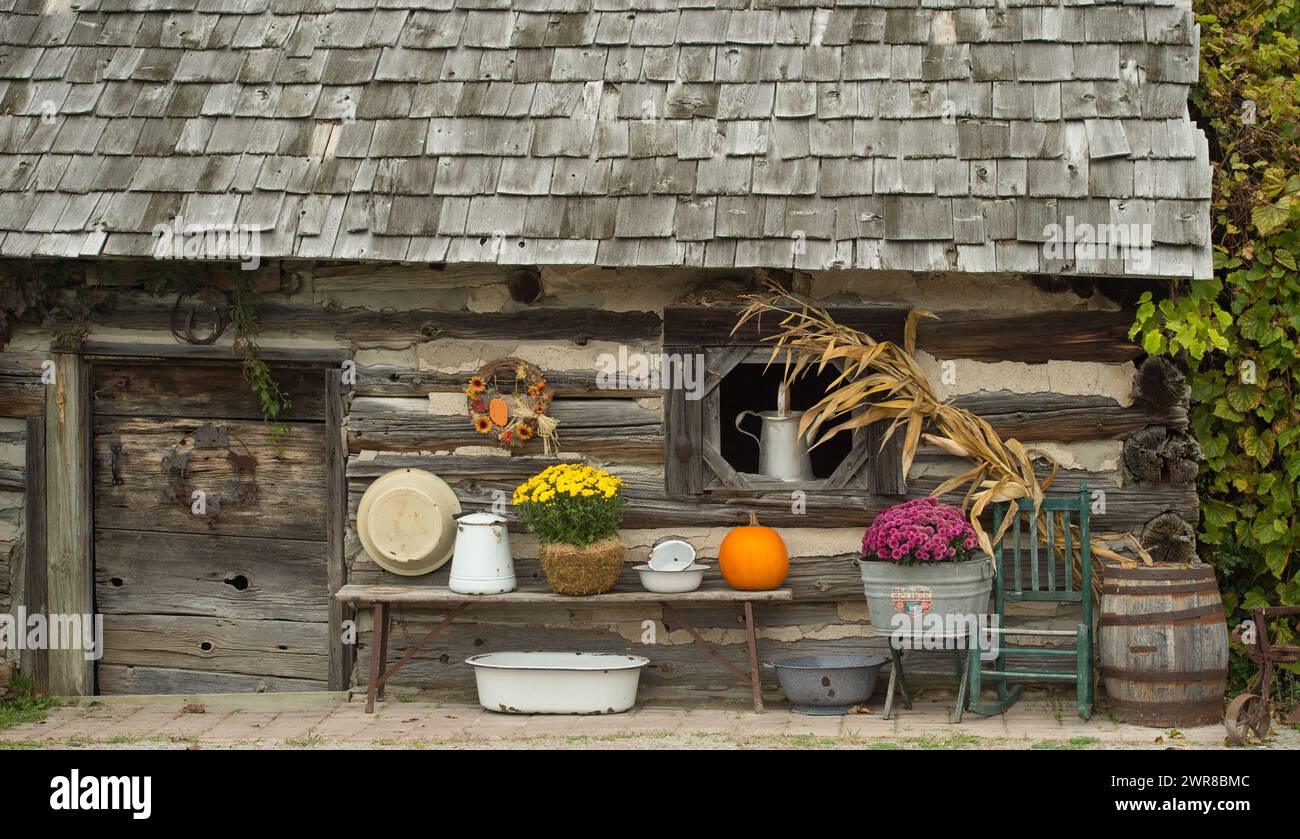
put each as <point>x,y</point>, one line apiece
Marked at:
<point>672,582</point>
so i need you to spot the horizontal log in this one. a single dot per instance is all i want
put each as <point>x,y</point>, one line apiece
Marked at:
<point>591,425</point>
<point>475,479</point>
<point>211,390</point>
<point>357,325</point>
<point>1050,417</point>
<point>12,478</point>
<point>280,494</point>
<point>150,681</point>
<point>160,573</point>
<point>390,380</point>
<point>21,392</point>
<point>152,349</point>
<point>1033,338</point>
<point>595,427</point>
<point>292,649</point>
<point>704,326</point>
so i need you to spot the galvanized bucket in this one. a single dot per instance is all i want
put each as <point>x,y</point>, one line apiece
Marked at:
<point>920,591</point>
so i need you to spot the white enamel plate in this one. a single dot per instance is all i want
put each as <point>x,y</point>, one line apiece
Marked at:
<point>405,521</point>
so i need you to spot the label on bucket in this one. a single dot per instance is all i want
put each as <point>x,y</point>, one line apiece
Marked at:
<point>913,600</point>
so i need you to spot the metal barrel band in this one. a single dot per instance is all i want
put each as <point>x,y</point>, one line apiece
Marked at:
<point>1143,572</point>
<point>1108,619</point>
<point>1201,712</point>
<point>1163,675</point>
<point>1182,588</point>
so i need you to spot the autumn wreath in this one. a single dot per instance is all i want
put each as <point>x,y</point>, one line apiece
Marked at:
<point>509,400</point>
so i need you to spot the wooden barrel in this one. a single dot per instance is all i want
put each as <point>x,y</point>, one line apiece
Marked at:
<point>1164,645</point>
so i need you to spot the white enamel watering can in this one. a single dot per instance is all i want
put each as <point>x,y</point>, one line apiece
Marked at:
<point>482,563</point>
<point>781,451</point>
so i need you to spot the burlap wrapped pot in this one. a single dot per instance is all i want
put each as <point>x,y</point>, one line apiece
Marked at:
<point>583,571</point>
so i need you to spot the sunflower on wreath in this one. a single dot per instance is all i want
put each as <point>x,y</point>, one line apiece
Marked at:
<point>508,401</point>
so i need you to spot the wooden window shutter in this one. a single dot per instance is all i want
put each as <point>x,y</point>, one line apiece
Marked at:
<point>885,467</point>
<point>683,436</point>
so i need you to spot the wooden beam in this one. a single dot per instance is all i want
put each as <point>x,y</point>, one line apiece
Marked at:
<point>1034,338</point>
<point>336,516</point>
<point>1128,506</point>
<point>68,505</point>
<point>712,325</point>
<point>389,380</point>
<point>360,325</point>
<point>35,663</point>
<point>683,435</point>
<point>209,390</point>
<point>116,349</point>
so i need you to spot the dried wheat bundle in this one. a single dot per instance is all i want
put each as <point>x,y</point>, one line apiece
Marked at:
<point>880,380</point>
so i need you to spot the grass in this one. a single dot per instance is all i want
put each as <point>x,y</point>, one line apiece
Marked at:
<point>310,741</point>
<point>1070,745</point>
<point>954,740</point>
<point>25,706</point>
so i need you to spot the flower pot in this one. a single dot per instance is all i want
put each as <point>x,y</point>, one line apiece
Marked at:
<point>934,588</point>
<point>592,569</point>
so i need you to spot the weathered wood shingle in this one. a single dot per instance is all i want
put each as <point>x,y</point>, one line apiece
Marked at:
<point>907,134</point>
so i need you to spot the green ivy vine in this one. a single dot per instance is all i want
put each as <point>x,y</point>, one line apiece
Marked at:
<point>1239,332</point>
<point>58,295</point>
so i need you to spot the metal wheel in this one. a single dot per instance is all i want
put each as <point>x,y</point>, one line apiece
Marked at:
<point>1245,715</point>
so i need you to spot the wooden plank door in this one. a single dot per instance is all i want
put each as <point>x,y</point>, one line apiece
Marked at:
<point>230,594</point>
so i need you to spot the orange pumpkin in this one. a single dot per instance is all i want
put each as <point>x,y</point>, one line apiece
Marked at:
<point>753,557</point>
<point>499,411</point>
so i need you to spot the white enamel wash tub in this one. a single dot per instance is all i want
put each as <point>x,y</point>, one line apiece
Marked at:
<point>557,683</point>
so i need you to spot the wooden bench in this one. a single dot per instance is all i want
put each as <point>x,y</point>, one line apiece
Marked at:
<point>383,598</point>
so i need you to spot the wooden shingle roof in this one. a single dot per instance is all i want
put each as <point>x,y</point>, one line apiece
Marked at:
<point>902,134</point>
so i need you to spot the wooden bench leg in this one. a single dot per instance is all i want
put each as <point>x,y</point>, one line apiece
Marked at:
<point>755,676</point>
<point>378,644</point>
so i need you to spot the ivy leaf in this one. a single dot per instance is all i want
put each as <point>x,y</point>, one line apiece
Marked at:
<point>1244,397</point>
<point>1256,444</point>
<point>1286,258</point>
<point>1218,513</point>
<point>1263,531</point>
<point>1268,218</point>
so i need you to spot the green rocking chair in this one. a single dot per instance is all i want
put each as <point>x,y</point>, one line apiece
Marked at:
<point>1030,573</point>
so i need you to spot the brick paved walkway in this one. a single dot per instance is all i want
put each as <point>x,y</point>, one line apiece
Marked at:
<point>235,722</point>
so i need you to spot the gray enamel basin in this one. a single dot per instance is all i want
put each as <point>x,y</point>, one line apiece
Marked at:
<point>828,683</point>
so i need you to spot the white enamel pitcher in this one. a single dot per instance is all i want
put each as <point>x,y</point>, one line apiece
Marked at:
<point>781,451</point>
<point>481,562</point>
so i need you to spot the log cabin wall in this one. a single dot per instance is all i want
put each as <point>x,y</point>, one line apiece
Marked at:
<point>1049,366</point>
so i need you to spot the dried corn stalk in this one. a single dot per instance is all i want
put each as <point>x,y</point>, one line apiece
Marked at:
<point>881,381</point>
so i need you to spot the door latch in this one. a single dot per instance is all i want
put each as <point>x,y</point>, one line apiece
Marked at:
<point>116,450</point>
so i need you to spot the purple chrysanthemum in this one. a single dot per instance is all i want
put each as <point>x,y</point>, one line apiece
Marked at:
<point>924,530</point>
